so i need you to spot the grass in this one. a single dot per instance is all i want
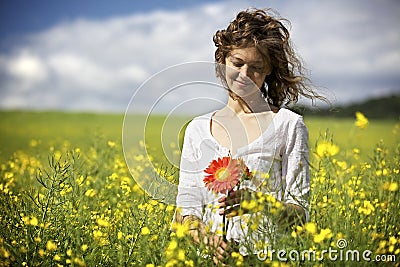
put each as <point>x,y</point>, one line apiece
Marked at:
<point>18,129</point>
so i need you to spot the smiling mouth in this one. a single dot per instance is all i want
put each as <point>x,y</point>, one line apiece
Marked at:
<point>243,83</point>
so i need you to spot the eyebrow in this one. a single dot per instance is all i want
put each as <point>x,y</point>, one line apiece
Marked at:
<point>254,62</point>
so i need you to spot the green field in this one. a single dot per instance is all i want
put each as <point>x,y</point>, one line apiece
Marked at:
<point>18,129</point>
<point>68,198</point>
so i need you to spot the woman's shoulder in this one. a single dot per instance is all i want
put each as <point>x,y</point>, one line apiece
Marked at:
<point>289,117</point>
<point>200,123</point>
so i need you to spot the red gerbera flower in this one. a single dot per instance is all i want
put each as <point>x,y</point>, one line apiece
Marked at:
<point>224,174</point>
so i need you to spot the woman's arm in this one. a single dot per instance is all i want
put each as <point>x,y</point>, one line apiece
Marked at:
<point>215,244</point>
<point>190,199</point>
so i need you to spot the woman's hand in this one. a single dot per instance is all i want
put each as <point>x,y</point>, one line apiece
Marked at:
<point>215,244</point>
<point>233,201</point>
<point>218,248</point>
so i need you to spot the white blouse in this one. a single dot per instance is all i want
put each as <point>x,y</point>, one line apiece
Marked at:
<point>281,151</point>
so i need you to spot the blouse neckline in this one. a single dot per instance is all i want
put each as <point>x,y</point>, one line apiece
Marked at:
<point>209,123</point>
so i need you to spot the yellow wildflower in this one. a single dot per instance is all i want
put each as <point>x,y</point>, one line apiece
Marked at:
<point>189,263</point>
<point>145,231</point>
<point>79,262</point>
<point>181,229</point>
<point>327,149</point>
<point>84,247</point>
<point>323,234</point>
<point>393,186</point>
<point>367,208</point>
<point>102,222</point>
<point>311,227</point>
<point>51,246</point>
<point>361,120</point>
<point>41,252</point>
<point>249,205</point>
<point>90,193</point>
<point>120,235</point>
<point>33,143</point>
<point>97,233</point>
<point>111,144</point>
<point>181,254</point>
<point>34,221</point>
<point>57,257</point>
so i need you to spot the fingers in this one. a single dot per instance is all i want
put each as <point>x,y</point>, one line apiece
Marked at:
<point>231,212</point>
<point>232,201</point>
<point>233,198</point>
<point>219,248</point>
<point>218,262</point>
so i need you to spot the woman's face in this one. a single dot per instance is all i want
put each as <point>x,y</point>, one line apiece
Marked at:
<point>245,70</point>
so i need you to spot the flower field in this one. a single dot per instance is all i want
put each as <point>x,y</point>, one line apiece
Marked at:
<point>68,199</point>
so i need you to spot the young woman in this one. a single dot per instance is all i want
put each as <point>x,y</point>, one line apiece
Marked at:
<point>261,72</point>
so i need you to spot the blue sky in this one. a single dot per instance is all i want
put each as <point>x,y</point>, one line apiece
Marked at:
<point>94,55</point>
<point>27,16</point>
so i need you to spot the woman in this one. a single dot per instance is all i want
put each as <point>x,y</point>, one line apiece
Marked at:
<point>258,66</point>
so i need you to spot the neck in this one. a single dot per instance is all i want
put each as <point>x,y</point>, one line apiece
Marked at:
<point>254,103</point>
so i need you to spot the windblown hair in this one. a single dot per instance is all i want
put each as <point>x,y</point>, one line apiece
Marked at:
<point>256,28</point>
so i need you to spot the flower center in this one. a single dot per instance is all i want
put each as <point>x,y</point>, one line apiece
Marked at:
<point>222,174</point>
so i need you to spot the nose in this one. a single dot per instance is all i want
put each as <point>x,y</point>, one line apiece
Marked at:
<point>244,71</point>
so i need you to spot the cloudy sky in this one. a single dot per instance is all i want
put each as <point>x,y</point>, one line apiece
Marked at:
<point>94,55</point>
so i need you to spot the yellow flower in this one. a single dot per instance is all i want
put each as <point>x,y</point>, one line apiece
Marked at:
<point>51,246</point>
<point>41,252</point>
<point>367,208</point>
<point>181,254</point>
<point>111,144</point>
<point>69,252</point>
<point>84,247</point>
<point>90,193</point>
<point>97,233</point>
<point>393,187</point>
<point>103,222</point>
<point>33,143</point>
<point>327,149</point>
<point>57,257</point>
<point>32,221</point>
<point>323,234</point>
<point>145,231</point>
<point>181,229</point>
<point>172,245</point>
<point>361,120</point>
<point>311,227</point>
<point>342,165</point>
<point>293,234</point>
<point>120,235</point>
<point>79,262</point>
<point>189,263</point>
<point>249,205</point>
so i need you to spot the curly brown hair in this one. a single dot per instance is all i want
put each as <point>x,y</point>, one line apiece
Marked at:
<point>257,28</point>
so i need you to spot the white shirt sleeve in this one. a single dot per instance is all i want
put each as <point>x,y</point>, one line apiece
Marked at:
<point>295,166</point>
<point>190,198</point>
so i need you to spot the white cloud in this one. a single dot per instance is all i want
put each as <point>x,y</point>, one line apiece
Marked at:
<point>353,49</point>
<point>27,67</point>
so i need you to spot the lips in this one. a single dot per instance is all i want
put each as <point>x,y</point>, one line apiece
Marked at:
<point>242,83</point>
